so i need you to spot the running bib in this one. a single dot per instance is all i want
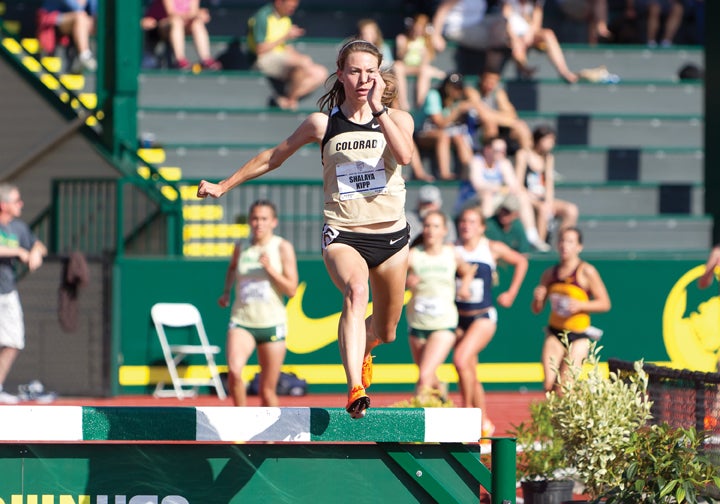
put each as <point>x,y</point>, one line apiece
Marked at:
<point>560,304</point>
<point>254,291</point>
<point>477,290</point>
<point>428,306</point>
<point>361,179</point>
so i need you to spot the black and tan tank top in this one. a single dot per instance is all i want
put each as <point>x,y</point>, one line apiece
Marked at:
<point>362,181</point>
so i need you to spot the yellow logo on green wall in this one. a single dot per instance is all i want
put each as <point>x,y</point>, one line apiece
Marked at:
<point>692,342</point>
<point>307,335</point>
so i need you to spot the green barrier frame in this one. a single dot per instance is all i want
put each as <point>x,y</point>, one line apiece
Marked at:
<point>220,473</point>
<point>206,455</point>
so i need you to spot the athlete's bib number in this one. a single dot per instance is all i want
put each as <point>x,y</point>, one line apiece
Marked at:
<point>361,179</point>
<point>428,306</point>
<point>253,291</point>
<point>560,304</point>
<point>477,290</point>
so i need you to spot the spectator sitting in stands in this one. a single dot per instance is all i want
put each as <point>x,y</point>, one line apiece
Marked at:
<point>500,111</point>
<point>416,164</point>
<point>72,19</point>
<point>535,169</point>
<point>469,24</point>
<point>490,181</point>
<point>269,31</point>
<point>415,53</point>
<point>525,18</point>
<point>429,199</point>
<point>369,30</point>
<point>174,19</point>
<point>592,12</point>
<point>655,10</point>
<point>504,226</point>
<point>444,123</point>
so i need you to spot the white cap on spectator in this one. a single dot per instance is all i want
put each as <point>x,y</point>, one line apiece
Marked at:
<point>429,194</point>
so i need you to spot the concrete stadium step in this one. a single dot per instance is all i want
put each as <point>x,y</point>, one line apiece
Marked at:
<point>628,62</point>
<point>573,164</point>
<point>185,125</point>
<point>617,198</point>
<point>249,89</point>
<point>211,90</point>
<point>634,211</point>
<point>626,233</point>
<point>219,161</point>
<point>632,234</point>
<point>188,126</point>
<point>579,164</point>
<point>623,98</point>
<point>623,130</point>
<point>642,227</point>
<point>611,200</point>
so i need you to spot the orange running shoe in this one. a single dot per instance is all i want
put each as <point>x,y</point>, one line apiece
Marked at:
<point>488,429</point>
<point>367,371</point>
<point>358,402</point>
<point>710,423</point>
<point>367,366</point>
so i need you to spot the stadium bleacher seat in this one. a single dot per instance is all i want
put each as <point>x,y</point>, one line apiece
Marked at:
<point>629,153</point>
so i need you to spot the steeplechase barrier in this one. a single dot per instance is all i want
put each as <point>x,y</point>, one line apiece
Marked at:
<point>224,455</point>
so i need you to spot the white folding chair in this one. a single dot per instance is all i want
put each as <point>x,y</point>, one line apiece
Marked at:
<point>179,315</point>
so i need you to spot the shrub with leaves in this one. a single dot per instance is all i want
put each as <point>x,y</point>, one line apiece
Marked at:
<point>665,465</point>
<point>542,456</point>
<point>596,417</point>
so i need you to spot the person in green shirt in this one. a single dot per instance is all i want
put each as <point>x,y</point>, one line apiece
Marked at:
<point>504,226</point>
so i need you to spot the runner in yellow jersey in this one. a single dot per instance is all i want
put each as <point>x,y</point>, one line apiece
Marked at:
<point>574,289</point>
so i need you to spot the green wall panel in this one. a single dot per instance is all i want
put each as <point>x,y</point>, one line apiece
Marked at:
<point>639,289</point>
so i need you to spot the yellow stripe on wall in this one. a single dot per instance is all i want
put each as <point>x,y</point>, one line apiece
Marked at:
<point>333,374</point>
